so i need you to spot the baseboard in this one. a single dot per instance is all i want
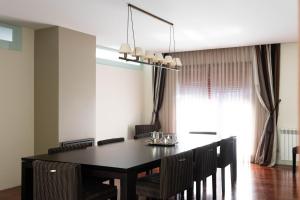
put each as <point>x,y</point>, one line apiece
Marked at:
<point>284,162</point>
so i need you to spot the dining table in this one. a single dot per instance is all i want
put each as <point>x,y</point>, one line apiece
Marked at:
<point>123,161</point>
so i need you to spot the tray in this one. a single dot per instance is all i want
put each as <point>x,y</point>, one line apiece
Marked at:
<point>151,143</point>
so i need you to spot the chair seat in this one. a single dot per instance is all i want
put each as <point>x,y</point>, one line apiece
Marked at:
<point>149,186</point>
<point>99,191</point>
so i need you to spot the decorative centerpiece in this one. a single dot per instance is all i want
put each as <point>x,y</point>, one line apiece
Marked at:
<point>161,139</point>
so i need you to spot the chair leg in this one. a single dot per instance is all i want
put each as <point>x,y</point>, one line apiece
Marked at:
<point>233,175</point>
<point>190,193</point>
<point>294,161</point>
<point>198,190</point>
<point>223,181</point>
<point>214,186</point>
<point>111,182</point>
<point>114,198</point>
<point>204,184</point>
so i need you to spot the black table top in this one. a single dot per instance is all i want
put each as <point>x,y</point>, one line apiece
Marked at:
<point>126,155</point>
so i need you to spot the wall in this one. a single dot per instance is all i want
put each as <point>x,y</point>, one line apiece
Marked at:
<point>46,89</point>
<point>77,85</point>
<point>120,101</point>
<point>289,87</point>
<point>288,115</point>
<point>148,94</point>
<point>16,109</point>
<point>65,99</point>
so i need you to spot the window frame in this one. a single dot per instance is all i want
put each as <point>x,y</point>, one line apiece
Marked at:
<point>113,63</point>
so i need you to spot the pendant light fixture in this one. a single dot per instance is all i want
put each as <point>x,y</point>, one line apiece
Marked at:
<point>148,57</point>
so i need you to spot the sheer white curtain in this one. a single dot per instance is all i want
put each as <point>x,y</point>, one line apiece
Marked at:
<point>214,92</point>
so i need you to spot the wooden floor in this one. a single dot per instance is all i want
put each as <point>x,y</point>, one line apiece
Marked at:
<point>254,182</point>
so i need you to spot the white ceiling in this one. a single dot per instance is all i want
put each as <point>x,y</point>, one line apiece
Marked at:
<point>199,24</point>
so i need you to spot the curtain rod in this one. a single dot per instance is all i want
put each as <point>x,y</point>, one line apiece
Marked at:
<point>150,14</point>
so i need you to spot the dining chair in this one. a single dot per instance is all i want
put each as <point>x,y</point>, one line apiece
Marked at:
<point>70,147</point>
<point>77,146</point>
<point>110,141</point>
<point>63,181</point>
<point>203,132</point>
<point>87,141</point>
<point>296,150</point>
<point>205,165</point>
<point>227,156</point>
<point>142,135</point>
<point>141,130</point>
<point>176,176</point>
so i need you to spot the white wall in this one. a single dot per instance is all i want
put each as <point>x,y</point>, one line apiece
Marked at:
<point>16,109</point>
<point>148,94</point>
<point>120,101</point>
<point>288,110</point>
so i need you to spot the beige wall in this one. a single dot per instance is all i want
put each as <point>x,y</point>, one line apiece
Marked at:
<point>288,115</point>
<point>77,85</point>
<point>65,99</point>
<point>46,89</point>
<point>16,109</point>
<point>120,101</point>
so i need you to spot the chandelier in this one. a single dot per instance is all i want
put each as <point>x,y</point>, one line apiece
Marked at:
<point>138,55</point>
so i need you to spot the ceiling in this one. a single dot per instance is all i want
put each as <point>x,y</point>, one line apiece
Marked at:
<point>199,24</point>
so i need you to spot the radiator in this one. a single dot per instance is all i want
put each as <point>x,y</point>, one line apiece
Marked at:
<point>288,138</point>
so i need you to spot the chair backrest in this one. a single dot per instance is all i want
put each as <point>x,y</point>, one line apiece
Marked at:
<point>146,128</point>
<point>110,141</point>
<point>203,132</point>
<point>142,135</point>
<point>56,181</point>
<point>205,161</point>
<point>87,141</point>
<point>176,174</point>
<point>69,147</point>
<point>227,151</point>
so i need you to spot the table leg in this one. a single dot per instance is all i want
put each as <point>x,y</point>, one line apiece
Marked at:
<point>128,183</point>
<point>294,159</point>
<point>233,166</point>
<point>27,181</point>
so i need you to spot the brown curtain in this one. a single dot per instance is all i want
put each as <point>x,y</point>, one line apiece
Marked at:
<point>267,88</point>
<point>159,80</point>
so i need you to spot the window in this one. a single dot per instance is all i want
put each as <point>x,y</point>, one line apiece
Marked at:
<point>10,37</point>
<point>216,94</point>
<point>109,56</point>
<point>6,34</point>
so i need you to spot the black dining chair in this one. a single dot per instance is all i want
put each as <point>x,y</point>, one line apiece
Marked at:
<point>87,141</point>
<point>63,181</point>
<point>70,147</point>
<point>227,156</point>
<point>144,130</point>
<point>77,146</point>
<point>110,141</point>
<point>142,135</point>
<point>203,132</point>
<point>205,165</point>
<point>176,176</point>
